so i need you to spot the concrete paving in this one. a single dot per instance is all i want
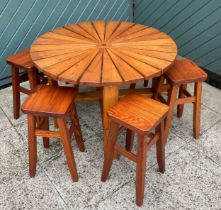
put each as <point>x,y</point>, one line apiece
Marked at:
<point>193,167</point>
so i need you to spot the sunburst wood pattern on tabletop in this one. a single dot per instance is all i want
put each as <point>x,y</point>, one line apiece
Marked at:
<point>103,53</point>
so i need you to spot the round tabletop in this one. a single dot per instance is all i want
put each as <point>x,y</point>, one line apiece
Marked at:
<point>103,53</point>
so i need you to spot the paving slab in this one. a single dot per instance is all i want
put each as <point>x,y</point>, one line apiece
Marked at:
<point>183,127</point>
<point>5,123</point>
<point>13,159</point>
<point>191,181</point>
<point>210,142</point>
<point>192,178</point>
<point>23,192</point>
<point>211,97</point>
<point>6,103</point>
<point>89,189</point>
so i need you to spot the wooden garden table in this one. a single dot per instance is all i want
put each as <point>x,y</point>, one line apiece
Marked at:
<point>105,55</point>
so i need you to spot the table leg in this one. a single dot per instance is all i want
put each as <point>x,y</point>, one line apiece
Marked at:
<point>33,79</point>
<point>110,98</point>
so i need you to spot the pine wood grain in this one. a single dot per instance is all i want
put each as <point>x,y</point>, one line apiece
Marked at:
<point>185,71</point>
<point>103,54</point>
<point>138,118</point>
<point>60,97</point>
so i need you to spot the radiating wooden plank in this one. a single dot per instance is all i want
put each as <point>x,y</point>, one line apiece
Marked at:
<point>37,47</point>
<point>79,30</point>
<point>60,42</point>
<point>145,69</point>
<point>38,16</point>
<point>158,48</point>
<point>55,36</point>
<point>127,72</point>
<point>146,31</point>
<point>146,43</point>
<point>141,38</point>
<point>88,26</point>
<point>121,28</point>
<point>100,29</point>
<point>110,74</point>
<point>73,74</point>
<point>47,54</point>
<point>43,63</point>
<point>158,63</point>
<point>156,54</point>
<point>111,59</point>
<point>51,41</point>
<point>67,32</point>
<point>111,26</point>
<point>55,70</point>
<point>163,48</point>
<point>94,70</point>
<point>134,29</point>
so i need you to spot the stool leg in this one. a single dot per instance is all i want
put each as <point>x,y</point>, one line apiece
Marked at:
<point>32,145</point>
<point>109,150</point>
<point>145,84</point>
<point>65,137</point>
<point>160,146</point>
<point>133,86</point>
<point>33,79</point>
<point>77,130</point>
<point>52,82</point>
<point>100,101</point>
<point>45,126</point>
<point>180,107</point>
<point>171,102</point>
<point>197,109</point>
<point>140,169</point>
<point>16,91</point>
<point>129,140</point>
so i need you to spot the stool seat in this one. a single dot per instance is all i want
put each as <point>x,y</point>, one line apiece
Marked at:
<point>21,60</point>
<point>58,103</point>
<point>50,100</point>
<point>185,71</point>
<point>145,117</point>
<point>138,113</point>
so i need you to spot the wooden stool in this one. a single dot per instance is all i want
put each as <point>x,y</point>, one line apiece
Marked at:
<point>182,73</point>
<point>57,102</point>
<point>144,116</point>
<point>22,60</point>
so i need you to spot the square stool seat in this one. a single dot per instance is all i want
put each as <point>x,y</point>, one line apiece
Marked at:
<point>185,71</point>
<point>145,117</point>
<point>182,73</point>
<point>138,113</point>
<point>21,60</point>
<point>58,103</point>
<point>50,100</point>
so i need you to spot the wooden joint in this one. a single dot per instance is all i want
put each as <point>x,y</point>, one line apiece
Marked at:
<point>186,93</point>
<point>25,90</point>
<point>121,129</point>
<point>71,130</point>
<point>186,100</point>
<point>97,94</point>
<point>151,135</point>
<point>164,88</point>
<point>153,141</point>
<point>40,121</point>
<point>161,98</point>
<point>122,151</point>
<point>47,134</point>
